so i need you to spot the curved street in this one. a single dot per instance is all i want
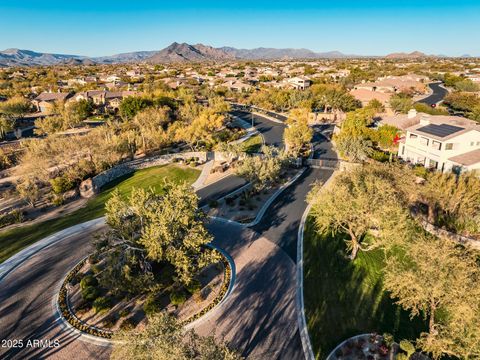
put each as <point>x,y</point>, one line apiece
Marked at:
<point>259,318</point>
<point>438,94</point>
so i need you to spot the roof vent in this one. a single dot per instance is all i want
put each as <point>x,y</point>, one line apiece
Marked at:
<point>412,113</point>
<point>425,120</point>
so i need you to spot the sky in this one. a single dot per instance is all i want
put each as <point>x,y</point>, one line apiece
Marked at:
<point>371,27</point>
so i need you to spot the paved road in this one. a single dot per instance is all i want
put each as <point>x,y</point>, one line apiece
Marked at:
<point>439,92</point>
<point>272,133</point>
<point>259,318</point>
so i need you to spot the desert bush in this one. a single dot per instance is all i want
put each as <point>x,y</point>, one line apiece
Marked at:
<point>178,297</point>
<point>102,304</point>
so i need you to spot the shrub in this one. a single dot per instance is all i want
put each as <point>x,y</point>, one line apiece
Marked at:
<point>13,217</point>
<point>90,293</point>
<point>178,297</point>
<point>408,347</point>
<point>151,306</point>
<point>57,200</point>
<point>95,268</point>
<point>60,184</point>
<point>388,339</point>
<point>421,171</point>
<point>88,281</point>
<point>194,286</point>
<point>230,201</point>
<point>102,304</point>
<point>379,156</point>
<point>128,324</point>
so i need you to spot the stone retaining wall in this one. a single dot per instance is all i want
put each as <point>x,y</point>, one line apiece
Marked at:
<point>432,229</point>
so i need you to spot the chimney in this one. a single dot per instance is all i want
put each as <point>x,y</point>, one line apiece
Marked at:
<point>412,113</point>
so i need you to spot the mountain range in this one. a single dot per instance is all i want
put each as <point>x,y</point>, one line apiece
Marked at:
<point>177,52</point>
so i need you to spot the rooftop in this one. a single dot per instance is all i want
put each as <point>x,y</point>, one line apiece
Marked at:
<point>467,159</point>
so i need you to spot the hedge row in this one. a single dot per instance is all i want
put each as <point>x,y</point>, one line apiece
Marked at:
<point>67,313</point>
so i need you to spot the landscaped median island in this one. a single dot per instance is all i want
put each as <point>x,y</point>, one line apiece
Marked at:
<point>244,206</point>
<point>14,240</point>
<point>155,256</point>
<point>93,310</point>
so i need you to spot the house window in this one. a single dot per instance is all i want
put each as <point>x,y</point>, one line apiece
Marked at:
<point>432,164</point>
<point>424,141</point>
<point>472,143</point>
<point>437,145</point>
<point>413,136</point>
<point>449,146</point>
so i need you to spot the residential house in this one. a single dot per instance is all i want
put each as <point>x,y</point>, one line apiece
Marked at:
<point>444,143</point>
<point>237,86</point>
<point>105,100</point>
<point>299,82</point>
<point>45,101</point>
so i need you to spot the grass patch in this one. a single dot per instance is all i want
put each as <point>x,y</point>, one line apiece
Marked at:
<point>14,240</point>
<point>344,298</point>
<point>252,144</point>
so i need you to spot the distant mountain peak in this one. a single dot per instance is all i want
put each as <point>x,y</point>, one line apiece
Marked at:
<point>403,55</point>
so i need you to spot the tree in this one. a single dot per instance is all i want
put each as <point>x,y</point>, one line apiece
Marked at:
<point>6,125</point>
<point>438,279</point>
<point>150,123</point>
<point>201,129</point>
<point>49,125</point>
<point>401,103</point>
<point>376,105</point>
<point>384,136</point>
<point>364,201</point>
<point>151,228</point>
<point>28,191</point>
<point>353,148</point>
<point>163,338</point>
<point>80,109</point>
<point>462,101</point>
<point>131,105</point>
<point>15,107</point>
<point>262,171</point>
<point>298,134</point>
<point>452,200</point>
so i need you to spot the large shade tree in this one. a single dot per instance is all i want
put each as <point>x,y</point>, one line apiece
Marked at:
<point>438,279</point>
<point>164,338</point>
<point>148,228</point>
<point>364,201</point>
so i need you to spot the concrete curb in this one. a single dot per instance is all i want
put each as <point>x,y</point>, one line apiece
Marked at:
<point>264,207</point>
<point>300,305</point>
<point>231,285</point>
<point>16,260</point>
<point>272,198</point>
<point>268,117</point>
<point>332,353</point>
<point>96,340</point>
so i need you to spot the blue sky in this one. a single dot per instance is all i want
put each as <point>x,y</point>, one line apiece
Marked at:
<point>372,27</point>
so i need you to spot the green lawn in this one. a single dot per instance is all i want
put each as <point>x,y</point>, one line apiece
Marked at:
<point>252,144</point>
<point>344,298</point>
<point>14,240</point>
